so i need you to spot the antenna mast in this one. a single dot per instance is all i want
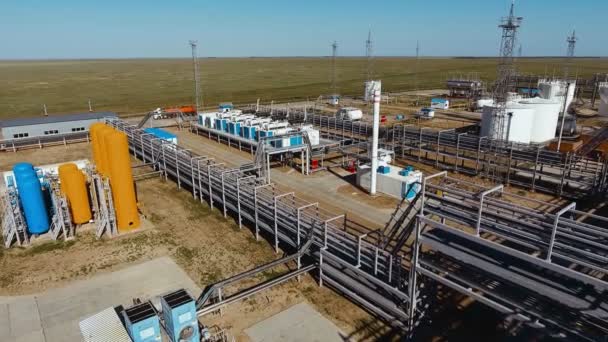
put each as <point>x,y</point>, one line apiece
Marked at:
<point>197,86</point>
<point>505,72</point>
<point>369,54</point>
<point>334,50</point>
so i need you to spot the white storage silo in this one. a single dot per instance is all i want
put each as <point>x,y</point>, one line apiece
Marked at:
<point>517,123</point>
<point>603,107</point>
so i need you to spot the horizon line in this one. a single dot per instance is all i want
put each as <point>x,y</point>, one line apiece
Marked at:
<point>278,57</point>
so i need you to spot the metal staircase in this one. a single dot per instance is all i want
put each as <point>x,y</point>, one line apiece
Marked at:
<point>105,217</point>
<point>14,228</point>
<point>400,226</point>
<point>599,137</point>
<point>61,222</point>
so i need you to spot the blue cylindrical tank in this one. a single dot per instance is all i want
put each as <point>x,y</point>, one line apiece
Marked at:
<point>20,170</point>
<point>32,201</point>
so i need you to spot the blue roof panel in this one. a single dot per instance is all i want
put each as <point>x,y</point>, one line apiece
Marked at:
<point>160,133</point>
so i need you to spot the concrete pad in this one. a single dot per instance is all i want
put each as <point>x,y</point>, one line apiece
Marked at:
<point>54,314</point>
<point>299,323</point>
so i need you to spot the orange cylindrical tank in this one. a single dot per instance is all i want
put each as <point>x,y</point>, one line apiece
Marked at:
<point>78,196</point>
<point>104,161</point>
<point>63,170</point>
<point>121,180</point>
<point>95,142</point>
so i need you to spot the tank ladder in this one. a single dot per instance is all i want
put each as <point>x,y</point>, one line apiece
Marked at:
<point>14,228</point>
<point>61,222</point>
<point>105,217</point>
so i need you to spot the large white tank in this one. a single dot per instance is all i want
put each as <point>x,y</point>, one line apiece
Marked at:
<point>517,124</point>
<point>603,107</point>
<point>545,118</point>
<point>555,90</point>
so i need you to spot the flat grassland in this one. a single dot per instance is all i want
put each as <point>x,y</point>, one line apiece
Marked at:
<point>139,85</point>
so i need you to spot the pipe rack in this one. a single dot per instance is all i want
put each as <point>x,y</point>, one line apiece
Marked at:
<point>538,266</point>
<point>529,166</point>
<point>353,266</point>
<point>544,267</point>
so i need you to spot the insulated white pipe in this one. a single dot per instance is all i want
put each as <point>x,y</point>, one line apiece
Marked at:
<point>375,132</point>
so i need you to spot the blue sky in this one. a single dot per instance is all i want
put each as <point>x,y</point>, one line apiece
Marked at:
<point>40,29</point>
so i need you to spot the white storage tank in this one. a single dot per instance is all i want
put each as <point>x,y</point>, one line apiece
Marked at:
<point>517,123</point>
<point>545,118</point>
<point>603,90</point>
<point>555,90</point>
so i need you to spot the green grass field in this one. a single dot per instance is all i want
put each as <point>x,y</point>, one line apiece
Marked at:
<point>138,85</point>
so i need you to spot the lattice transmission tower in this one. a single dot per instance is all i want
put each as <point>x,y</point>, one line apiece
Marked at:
<point>505,73</point>
<point>570,53</point>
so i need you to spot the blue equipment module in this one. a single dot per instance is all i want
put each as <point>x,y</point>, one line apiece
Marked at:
<point>179,313</point>
<point>142,323</point>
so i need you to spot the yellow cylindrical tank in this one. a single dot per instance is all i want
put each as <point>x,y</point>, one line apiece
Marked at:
<point>104,168</point>
<point>78,196</point>
<point>95,143</point>
<point>63,170</point>
<point>121,180</point>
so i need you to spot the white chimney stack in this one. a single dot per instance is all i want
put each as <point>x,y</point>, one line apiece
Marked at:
<point>375,133</point>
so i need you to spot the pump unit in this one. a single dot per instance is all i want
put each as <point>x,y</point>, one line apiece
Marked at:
<point>142,323</point>
<point>179,313</point>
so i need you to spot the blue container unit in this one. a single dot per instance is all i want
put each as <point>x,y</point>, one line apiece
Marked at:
<point>295,140</point>
<point>179,313</point>
<point>31,198</point>
<point>142,323</point>
<point>248,132</point>
<point>264,133</point>
<point>221,125</point>
<point>234,128</point>
<point>384,169</point>
<point>276,143</point>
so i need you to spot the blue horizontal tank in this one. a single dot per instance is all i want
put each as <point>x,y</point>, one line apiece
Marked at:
<point>34,207</point>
